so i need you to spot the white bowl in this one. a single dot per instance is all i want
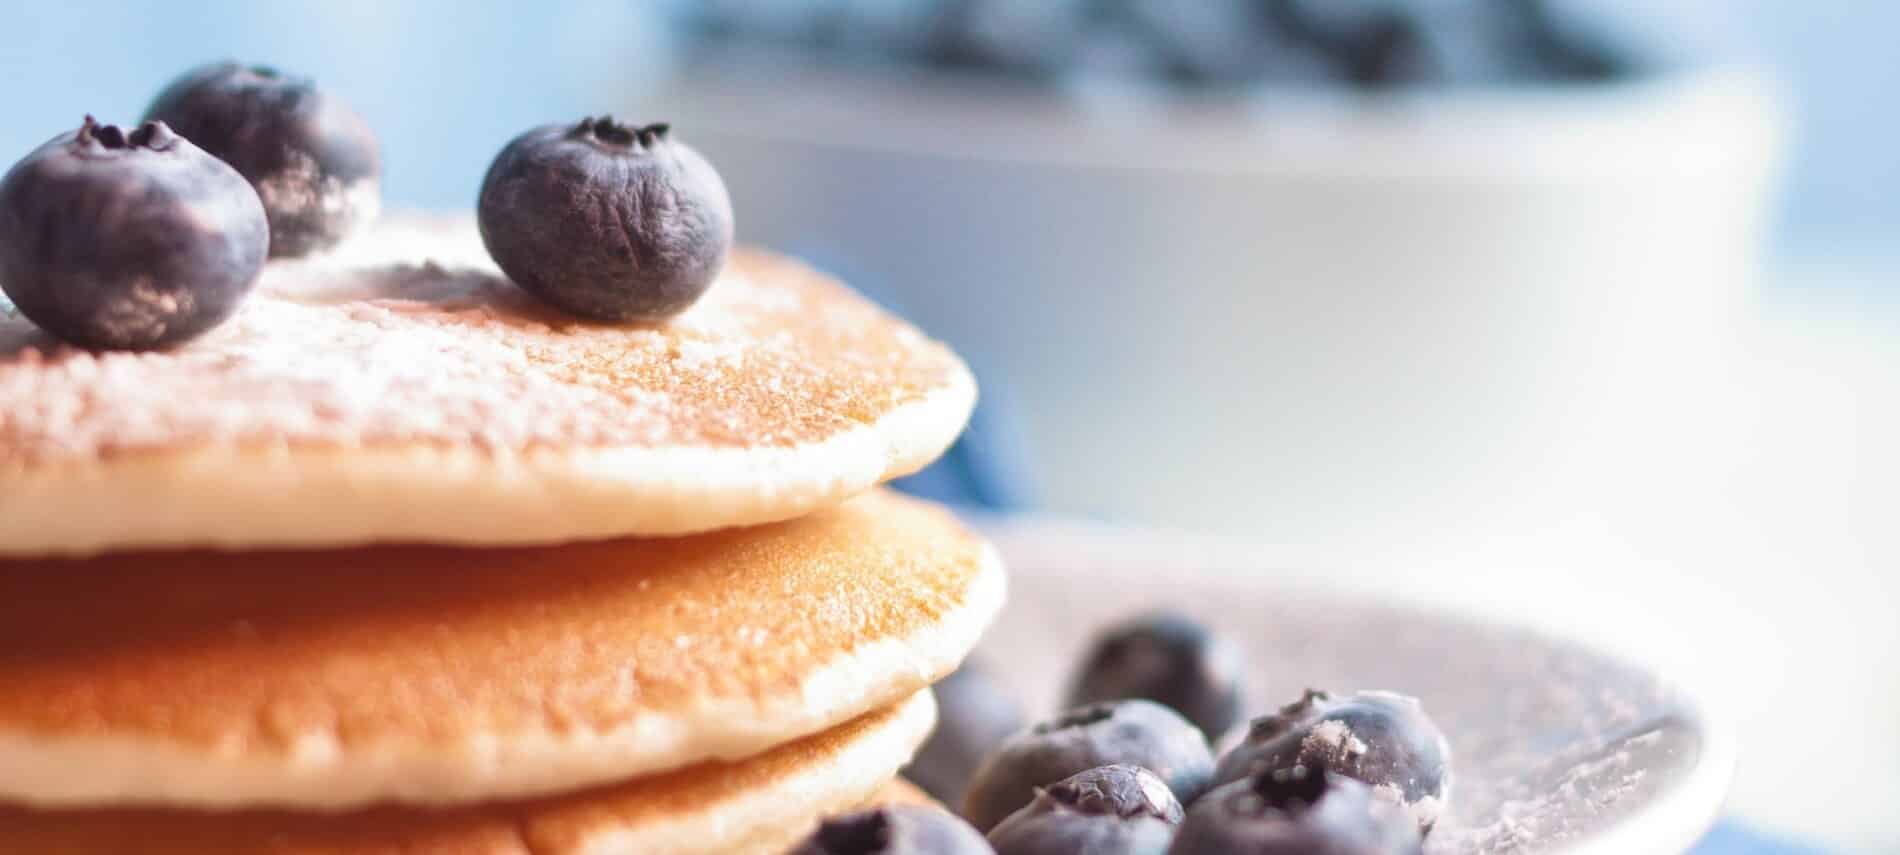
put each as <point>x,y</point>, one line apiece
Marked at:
<point>1360,304</point>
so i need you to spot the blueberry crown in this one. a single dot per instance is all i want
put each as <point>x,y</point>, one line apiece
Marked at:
<point>606,130</point>
<point>1269,726</point>
<point>151,135</point>
<point>1290,790</point>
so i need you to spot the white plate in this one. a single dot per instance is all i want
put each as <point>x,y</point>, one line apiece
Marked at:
<point>1557,746</point>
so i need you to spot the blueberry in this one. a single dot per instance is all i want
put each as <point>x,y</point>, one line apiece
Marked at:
<point>313,160</point>
<point>1024,40</point>
<point>1371,46</point>
<point>1386,49</point>
<point>1211,43</point>
<point>1295,812</point>
<point>119,241</point>
<point>1563,48</point>
<point>974,715</point>
<point>606,221</point>
<point>1169,659</point>
<point>1380,738</point>
<point>1134,732</point>
<point>1109,810</point>
<point>894,830</point>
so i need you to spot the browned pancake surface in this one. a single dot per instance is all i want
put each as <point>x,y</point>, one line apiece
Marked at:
<point>558,824</point>
<point>251,654</point>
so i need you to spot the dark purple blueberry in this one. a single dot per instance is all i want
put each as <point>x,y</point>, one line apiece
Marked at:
<point>1133,732</point>
<point>117,241</point>
<point>1027,40</point>
<point>314,161</point>
<point>606,221</point>
<point>1561,47</point>
<point>1380,738</point>
<point>1295,812</point>
<point>1371,46</point>
<point>974,715</point>
<point>1109,810</point>
<point>894,830</point>
<point>1169,659</point>
<point>1384,50</point>
<point>1194,44</point>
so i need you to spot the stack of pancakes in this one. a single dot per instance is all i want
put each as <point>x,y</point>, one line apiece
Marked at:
<point>400,561</point>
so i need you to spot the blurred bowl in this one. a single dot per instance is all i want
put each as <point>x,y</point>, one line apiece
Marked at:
<point>1285,312</point>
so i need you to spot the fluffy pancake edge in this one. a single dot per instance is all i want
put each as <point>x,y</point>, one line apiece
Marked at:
<point>93,770</point>
<point>301,498</point>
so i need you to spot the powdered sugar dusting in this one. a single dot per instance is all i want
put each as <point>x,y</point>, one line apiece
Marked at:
<point>1333,740</point>
<point>409,334</point>
<point>1545,817</point>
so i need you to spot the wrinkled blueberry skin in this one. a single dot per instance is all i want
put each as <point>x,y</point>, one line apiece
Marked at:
<point>606,222</point>
<point>115,241</point>
<point>1170,659</point>
<point>1109,810</point>
<point>894,830</point>
<point>974,715</point>
<point>1134,732</point>
<point>315,163</point>
<point>1393,744</point>
<point>1284,814</point>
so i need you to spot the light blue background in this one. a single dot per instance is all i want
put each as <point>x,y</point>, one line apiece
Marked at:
<point>446,82</point>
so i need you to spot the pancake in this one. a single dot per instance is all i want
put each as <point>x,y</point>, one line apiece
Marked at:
<point>325,680</point>
<point>762,804</point>
<point>400,390</point>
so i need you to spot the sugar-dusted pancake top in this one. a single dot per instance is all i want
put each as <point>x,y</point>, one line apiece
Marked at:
<point>759,804</point>
<point>436,674</point>
<point>405,369</point>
